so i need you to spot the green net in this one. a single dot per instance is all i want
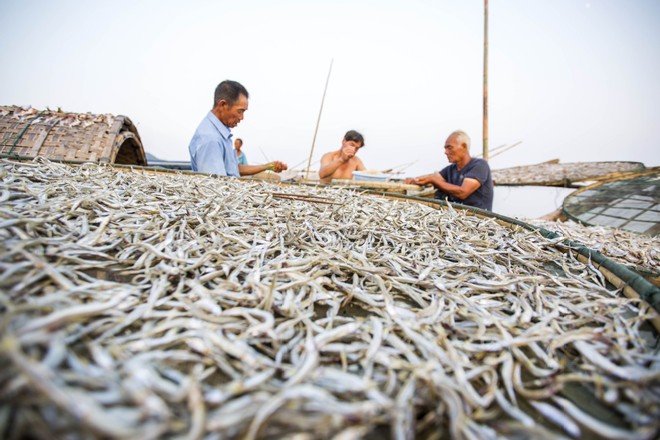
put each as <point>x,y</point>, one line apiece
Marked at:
<point>630,204</point>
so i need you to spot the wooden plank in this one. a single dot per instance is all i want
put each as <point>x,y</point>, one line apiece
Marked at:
<point>391,186</point>
<point>265,175</point>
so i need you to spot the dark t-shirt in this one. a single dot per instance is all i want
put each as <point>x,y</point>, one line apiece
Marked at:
<point>477,169</point>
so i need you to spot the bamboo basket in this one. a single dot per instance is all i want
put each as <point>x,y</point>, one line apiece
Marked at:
<point>28,133</point>
<point>563,174</point>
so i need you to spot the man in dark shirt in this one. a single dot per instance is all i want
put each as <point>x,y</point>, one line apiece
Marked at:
<point>467,180</point>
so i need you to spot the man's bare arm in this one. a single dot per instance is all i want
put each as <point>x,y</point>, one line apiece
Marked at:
<point>461,192</point>
<point>329,165</point>
<point>248,170</point>
<point>427,179</point>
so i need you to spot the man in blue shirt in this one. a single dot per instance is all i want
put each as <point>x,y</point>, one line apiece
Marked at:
<point>211,149</point>
<point>466,180</point>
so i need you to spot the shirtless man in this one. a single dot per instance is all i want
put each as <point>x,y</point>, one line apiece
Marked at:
<point>340,164</point>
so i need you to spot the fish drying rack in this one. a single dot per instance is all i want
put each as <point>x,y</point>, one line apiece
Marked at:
<point>26,133</point>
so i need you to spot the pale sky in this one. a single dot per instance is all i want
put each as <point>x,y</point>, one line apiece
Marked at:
<point>573,80</point>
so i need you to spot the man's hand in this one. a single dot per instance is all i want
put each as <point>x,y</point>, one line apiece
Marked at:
<point>424,180</point>
<point>277,166</point>
<point>430,179</point>
<point>347,152</point>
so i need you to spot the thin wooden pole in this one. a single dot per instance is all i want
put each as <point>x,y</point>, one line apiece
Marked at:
<point>485,128</point>
<point>507,148</point>
<point>311,153</point>
<point>493,150</point>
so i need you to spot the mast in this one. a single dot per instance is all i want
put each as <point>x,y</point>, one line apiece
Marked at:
<point>485,127</point>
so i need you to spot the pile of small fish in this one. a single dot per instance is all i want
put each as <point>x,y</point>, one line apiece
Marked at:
<point>640,252</point>
<point>58,116</point>
<point>147,305</point>
<point>558,172</point>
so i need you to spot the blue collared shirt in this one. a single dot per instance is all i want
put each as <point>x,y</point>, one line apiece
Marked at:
<point>211,148</point>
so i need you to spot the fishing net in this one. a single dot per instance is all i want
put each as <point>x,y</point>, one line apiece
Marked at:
<point>631,204</point>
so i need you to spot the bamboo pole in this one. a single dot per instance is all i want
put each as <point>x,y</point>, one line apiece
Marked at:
<point>507,148</point>
<point>311,153</point>
<point>493,150</point>
<point>485,128</point>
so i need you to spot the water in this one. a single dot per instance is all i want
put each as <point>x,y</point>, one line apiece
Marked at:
<point>528,201</point>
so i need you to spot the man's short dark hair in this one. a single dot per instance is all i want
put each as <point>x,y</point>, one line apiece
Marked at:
<point>352,135</point>
<point>229,91</point>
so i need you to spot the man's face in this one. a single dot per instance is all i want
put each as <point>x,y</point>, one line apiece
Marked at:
<point>454,149</point>
<point>354,144</point>
<point>232,115</point>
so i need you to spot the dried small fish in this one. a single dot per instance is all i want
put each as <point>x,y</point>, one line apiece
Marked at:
<point>136,304</point>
